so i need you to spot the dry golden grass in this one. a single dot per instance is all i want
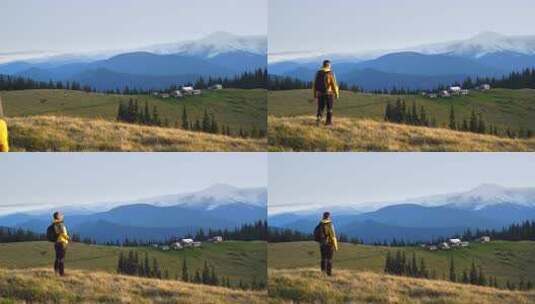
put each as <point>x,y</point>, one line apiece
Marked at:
<point>42,286</point>
<point>52,133</point>
<point>349,134</point>
<point>310,286</point>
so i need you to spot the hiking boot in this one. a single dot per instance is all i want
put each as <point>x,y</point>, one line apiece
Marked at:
<point>329,120</point>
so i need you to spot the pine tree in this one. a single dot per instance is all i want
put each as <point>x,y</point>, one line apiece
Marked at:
<point>453,276</point>
<point>452,124</point>
<point>185,274</point>
<point>185,122</point>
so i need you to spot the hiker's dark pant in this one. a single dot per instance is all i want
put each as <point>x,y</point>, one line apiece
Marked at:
<point>327,252</point>
<point>326,101</point>
<point>59,263</point>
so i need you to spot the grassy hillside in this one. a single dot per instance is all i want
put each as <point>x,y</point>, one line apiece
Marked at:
<point>233,107</point>
<point>51,133</point>
<point>350,134</point>
<point>233,259</point>
<point>500,107</point>
<point>42,286</point>
<point>310,286</point>
<point>505,260</point>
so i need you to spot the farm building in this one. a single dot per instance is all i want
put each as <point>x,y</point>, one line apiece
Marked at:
<point>187,90</point>
<point>444,245</point>
<point>432,248</point>
<point>165,95</point>
<point>484,87</point>
<point>176,246</point>
<point>465,244</point>
<point>165,248</point>
<point>465,92</point>
<point>197,244</point>
<point>484,239</point>
<point>197,92</point>
<point>216,239</point>
<point>177,94</point>
<point>216,87</point>
<point>186,242</point>
<point>455,89</point>
<point>444,93</point>
<point>454,242</point>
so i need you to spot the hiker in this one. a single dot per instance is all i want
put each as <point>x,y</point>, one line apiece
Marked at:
<point>57,232</point>
<point>325,91</point>
<point>325,235</point>
<point>4,144</point>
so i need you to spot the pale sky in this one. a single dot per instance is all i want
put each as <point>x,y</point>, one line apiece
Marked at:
<point>74,26</point>
<point>343,26</point>
<point>37,180</point>
<point>315,180</point>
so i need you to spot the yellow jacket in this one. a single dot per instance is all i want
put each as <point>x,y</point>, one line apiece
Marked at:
<point>4,143</point>
<point>330,84</point>
<point>330,234</point>
<point>61,230</point>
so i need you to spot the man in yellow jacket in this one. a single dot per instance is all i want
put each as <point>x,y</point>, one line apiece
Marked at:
<point>4,143</point>
<point>325,90</point>
<point>61,243</point>
<point>328,243</point>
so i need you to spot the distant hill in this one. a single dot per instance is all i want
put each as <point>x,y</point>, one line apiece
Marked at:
<point>426,66</point>
<point>152,67</point>
<point>42,286</point>
<point>426,219</point>
<point>310,286</point>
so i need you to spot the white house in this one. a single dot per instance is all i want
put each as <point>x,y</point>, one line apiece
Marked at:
<point>465,244</point>
<point>165,248</point>
<point>465,92</point>
<point>216,87</point>
<point>444,245</point>
<point>177,94</point>
<point>197,92</point>
<point>454,242</point>
<point>444,93</point>
<point>165,95</point>
<point>455,89</point>
<point>484,239</point>
<point>197,244</point>
<point>187,90</point>
<point>432,248</point>
<point>484,87</point>
<point>187,242</point>
<point>176,246</point>
<point>216,239</point>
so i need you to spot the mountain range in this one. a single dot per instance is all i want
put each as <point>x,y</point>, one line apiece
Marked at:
<point>423,219</point>
<point>423,67</point>
<point>152,67</point>
<point>156,218</point>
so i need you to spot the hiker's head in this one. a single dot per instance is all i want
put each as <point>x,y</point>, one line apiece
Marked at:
<point>58,216</point>
<point>326,63</point>
<point>326,215</point>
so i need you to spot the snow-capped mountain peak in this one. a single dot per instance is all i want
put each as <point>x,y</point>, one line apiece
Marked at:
<point>215,196</point>
<point>214,44</point>
<point>482,44</point>
<point>480,197</point>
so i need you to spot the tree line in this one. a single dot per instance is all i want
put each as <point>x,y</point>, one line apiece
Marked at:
<point>16,83</point>
<point>524,231</point>
<point>132,264</point>
<point>400,113</point>
<point>283,83</point>
<point>477,124</point>
<point>132,112</point>
<point>401,265</point>
<point>256,79</point>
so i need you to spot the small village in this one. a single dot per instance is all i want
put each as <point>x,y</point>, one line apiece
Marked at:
<point>184,91</point>
<point>454,243</point>
<point>454,91</point>
<point>184,243</point>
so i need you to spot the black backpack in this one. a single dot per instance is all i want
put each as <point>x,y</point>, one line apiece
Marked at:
<point>319,233</point>
<point>51,234</point>
<point>320,83</point>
